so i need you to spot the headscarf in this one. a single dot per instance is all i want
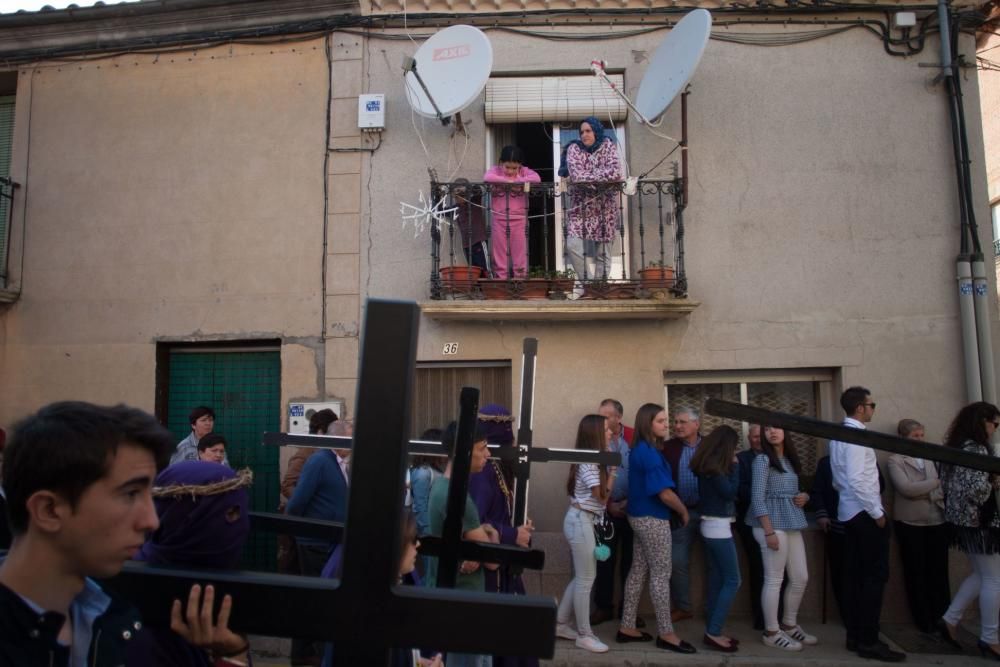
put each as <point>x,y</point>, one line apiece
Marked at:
<point>599,139</point>
<point>196,527</point>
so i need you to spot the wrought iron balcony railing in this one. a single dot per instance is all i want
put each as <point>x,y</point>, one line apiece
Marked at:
<point>595,240</point>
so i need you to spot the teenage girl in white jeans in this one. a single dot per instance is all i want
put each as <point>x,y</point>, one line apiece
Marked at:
<point>777,520</point>
<point>588,486</point>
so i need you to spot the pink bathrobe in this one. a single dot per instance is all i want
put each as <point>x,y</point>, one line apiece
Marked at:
<point>509,212</point>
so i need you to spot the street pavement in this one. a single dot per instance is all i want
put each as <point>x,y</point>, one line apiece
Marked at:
<point>829,652</point>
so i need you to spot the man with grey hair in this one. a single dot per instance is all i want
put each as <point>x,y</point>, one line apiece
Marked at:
<point>621,544</point>
<point>678,451</point>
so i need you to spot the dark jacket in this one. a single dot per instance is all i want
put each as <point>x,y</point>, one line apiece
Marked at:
<point>745,459</point>
<point>717,493</point>
<point>28,639</point>
<point>672,450</point>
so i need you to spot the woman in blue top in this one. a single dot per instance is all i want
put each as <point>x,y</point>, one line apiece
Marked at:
<point>777,520</point>
<point>718,474</point>
<point>650,499</point>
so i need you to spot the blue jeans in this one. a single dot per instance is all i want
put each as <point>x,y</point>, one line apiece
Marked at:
<point>680,580</point>
<point>723,582</point>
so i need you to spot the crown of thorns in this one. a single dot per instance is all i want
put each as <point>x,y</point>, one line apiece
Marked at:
<point>500,419</point>
<point>243,479</point>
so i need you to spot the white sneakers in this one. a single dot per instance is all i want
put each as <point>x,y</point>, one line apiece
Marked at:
<point>799,635</point>
<point>586,642</point>
<point>782,641</point>
<point>592,644</point>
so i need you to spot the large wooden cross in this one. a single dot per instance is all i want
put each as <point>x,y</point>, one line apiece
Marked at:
<point>365,612</point>
<point>873,439</point>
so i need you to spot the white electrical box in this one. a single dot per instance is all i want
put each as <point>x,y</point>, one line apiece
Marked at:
<point>299,414</point>
<point>371,112</point>
<point>904,19</point>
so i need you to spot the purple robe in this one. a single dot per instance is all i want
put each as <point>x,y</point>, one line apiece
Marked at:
<point>495,508</point>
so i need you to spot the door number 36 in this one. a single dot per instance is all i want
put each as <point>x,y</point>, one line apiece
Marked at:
<point>450,348</point>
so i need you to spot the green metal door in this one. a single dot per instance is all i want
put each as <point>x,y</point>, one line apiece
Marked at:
<point>244,389</point>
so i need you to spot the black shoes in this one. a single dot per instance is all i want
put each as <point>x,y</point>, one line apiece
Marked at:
<point>683,647</point>
<point>880,651</point>
<point>987,651</point>
<point>623,638</point>
<point>734,645</point>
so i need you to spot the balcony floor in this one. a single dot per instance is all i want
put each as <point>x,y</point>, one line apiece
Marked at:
<point>559,310</point>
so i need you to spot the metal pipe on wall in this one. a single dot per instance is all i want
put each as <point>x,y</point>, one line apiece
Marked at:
<point>970,343</point>
<point>981,300</point>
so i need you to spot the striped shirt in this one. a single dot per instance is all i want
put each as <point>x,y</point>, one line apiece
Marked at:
<point>771,495</point>
<point>588,475</point>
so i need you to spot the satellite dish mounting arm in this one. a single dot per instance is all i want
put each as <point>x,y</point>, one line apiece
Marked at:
<point>410,65</point>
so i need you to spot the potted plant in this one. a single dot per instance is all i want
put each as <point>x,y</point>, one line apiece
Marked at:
<point>493,288</point>
<point>536,286</point>
<point>561,283</point>
<point>656,274</point>
<point>459,278</point>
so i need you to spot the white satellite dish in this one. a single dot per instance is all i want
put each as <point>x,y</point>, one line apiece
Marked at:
<point>448,72</point>
<point>673,64</point>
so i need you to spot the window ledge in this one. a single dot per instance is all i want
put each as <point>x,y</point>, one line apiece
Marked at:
<point>559,311</point>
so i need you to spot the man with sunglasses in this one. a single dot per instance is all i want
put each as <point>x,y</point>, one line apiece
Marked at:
<point>866,548</point>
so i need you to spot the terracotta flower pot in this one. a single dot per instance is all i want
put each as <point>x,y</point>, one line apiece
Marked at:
<point>495,289</point>
<point>533,289</point>
<point>459,278</point>
<point>657,276</point>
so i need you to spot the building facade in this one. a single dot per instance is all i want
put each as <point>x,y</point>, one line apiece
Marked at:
<point>197,217</point>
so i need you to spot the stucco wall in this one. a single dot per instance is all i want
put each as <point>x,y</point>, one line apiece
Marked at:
<point>168,197</point>
<point>821,231</point>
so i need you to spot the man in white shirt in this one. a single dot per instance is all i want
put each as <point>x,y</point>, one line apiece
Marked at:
<point>855,476</point>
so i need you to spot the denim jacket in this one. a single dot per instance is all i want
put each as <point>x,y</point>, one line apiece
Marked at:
<point>717,493</point>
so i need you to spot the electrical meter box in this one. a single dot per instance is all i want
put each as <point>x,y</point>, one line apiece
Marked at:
<point>299,414</point>
<point>371,112</point>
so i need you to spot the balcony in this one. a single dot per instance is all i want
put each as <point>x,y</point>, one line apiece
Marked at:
<point>558,251</point>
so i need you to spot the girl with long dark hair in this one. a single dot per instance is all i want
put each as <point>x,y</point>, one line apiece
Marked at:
<point>777,520</point>
<point>970,505</point>
<point>651,499</point>
<point>588,486</point>
<point>718,475</point>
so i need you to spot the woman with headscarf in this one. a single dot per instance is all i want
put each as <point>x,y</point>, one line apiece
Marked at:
<point>203,509</point>
<point>492,489</point>
<point>590,162</point>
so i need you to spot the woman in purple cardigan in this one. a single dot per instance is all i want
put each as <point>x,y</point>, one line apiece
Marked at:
<point>493,491</point>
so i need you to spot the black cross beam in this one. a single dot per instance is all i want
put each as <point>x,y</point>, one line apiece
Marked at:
<point>331,531</point>
<point>431,448</point>
<point>873,439</point>
<point>365,613</point>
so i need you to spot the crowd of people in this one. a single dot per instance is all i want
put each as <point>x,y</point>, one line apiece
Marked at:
<point>671,491</point>
<point>500,249</point>
<point>87,488</point>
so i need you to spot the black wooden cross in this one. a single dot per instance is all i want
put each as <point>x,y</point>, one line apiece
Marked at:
<point>857,436</point>
<point>365,612</point>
